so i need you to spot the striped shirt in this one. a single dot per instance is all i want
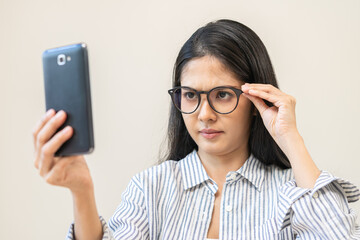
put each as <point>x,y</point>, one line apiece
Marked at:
<point>175,200</point>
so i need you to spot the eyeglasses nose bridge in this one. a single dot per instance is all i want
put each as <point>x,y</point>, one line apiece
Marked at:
<point>207,98</point>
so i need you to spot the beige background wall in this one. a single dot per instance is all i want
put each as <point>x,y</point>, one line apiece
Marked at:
<point>314,46</point>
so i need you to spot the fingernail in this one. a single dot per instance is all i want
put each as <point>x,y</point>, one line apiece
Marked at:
<point>48,113</point>
<point>67,129</point>
<point>60,113</point>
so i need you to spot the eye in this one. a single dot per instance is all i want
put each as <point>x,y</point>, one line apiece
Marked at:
<point>223,94</point>
<point>189,95</point>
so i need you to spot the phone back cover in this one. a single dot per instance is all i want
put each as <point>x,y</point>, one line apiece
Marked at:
<point>67,87</point>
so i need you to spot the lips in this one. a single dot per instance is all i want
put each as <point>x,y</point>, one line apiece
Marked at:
<point>210,133</point>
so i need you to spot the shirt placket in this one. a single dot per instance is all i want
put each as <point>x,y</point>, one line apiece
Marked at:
<point>227,208</point>
<point>208,209</point>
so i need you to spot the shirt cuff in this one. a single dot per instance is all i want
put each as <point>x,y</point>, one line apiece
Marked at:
<point>106,232</point>
<point>289,193</point>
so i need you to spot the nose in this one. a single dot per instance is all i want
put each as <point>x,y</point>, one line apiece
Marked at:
<point>206,113</point>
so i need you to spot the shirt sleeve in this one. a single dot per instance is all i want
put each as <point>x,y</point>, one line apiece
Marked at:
<point>130,220</point>
<point>106,233</point>
<point>319,213</point>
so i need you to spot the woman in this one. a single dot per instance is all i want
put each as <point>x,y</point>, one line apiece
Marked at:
<point>232,140</point>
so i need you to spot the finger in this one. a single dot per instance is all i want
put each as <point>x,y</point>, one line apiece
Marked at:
<point>258,102</point>
<point>39,157</point>
<point>50,128</point>
<point>262,87</point>
<point>40,124</point>
<point>274,99</point>
<point>45,118</point>
<point>57,159</point>
<point>49,149</point>
<point>46,131</point>
<point>56,175</point>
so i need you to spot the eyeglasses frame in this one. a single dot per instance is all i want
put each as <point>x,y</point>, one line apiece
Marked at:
<point>238,92</point>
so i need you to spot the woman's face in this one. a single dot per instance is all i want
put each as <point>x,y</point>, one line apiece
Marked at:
<point>232,130</point>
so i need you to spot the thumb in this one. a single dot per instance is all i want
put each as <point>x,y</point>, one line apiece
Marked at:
<point>258,102</point>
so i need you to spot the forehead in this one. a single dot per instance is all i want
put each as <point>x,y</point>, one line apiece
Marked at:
<point>207,72</point>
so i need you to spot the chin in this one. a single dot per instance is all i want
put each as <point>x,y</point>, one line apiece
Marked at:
<point>213,149</point>
<point>218,148</point>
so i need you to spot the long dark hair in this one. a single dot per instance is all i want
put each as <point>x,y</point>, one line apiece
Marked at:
<point>243,53</point>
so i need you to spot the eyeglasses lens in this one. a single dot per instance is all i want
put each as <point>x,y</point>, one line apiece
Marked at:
<point>186,99</point>
<point>222,100</point>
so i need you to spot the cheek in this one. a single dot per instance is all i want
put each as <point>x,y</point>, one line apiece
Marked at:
<point>242,118</point>
<point>189,121</point>
<point>190,124</point>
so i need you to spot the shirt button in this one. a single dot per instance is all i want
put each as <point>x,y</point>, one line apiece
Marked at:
<point>315,195</point>
<point>228,208</point>
<point>232,176</point>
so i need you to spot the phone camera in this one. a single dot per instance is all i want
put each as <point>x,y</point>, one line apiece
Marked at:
<point>61,59</point>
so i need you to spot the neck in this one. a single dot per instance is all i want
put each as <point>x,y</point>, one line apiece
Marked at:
<point>218,166</point>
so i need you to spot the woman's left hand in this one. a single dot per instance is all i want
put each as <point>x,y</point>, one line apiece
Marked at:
<point>279,119</point>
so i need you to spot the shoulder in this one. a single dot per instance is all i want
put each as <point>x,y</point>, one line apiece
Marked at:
<point>165,172</point>
<point>168,167</point>
<point>277,175</point>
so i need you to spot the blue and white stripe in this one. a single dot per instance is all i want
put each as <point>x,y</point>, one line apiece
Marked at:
<point>175,200</point>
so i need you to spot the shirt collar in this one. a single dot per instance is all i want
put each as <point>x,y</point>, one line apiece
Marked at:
<point>193,172</point>
<point>254,171</point>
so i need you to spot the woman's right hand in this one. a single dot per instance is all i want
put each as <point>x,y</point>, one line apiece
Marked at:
<point>71,172</point>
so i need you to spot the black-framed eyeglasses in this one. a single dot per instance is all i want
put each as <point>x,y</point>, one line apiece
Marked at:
<point>221,99</point>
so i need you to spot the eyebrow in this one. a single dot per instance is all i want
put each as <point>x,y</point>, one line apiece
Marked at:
<point>214,87</point>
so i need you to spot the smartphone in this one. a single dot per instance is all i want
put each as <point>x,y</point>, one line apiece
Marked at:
<point>67,87</point>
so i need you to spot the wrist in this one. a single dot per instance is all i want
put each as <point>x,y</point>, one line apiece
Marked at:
<point>305,170</point>
<point>84,202</point>
<point>86,218</point>
<point>292,139</point>
<point>83,193</point>
<point>289,134</point>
